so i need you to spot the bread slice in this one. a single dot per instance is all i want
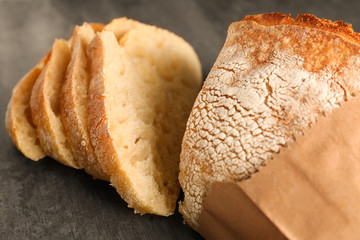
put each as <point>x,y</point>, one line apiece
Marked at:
<point>140,95</point>
<point>73,103</point>
<point>18,118</point>
<point>45,105</point>
<point>274,76</point>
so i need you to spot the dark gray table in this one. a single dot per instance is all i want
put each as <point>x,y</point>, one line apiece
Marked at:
<point>46,200</point>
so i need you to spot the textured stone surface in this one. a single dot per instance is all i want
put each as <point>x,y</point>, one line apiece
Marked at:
<point>46,200</point>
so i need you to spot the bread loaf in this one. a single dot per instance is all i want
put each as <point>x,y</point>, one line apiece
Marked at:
<point>274,76</point>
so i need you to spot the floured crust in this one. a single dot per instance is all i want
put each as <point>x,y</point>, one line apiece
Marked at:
<point>45,109</point>
<point>18,118</point>
<point>340,28</point>
<point>73,104</point>
<point>273,78</point>
<point>317,51</point>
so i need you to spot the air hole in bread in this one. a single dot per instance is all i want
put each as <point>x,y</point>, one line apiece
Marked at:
<point>122,120</point>
<point>29,117</point>
<point>174,65</point>
<point>66,144</point>
<point>55,105</point>
<point>165,126</point>
<point>169,149</point>
<point>186,82</point>
<point>137,139</point>
<point>37,142</point>
<point>158,181</point>
<point>160,44</point>
<point>31,133</point>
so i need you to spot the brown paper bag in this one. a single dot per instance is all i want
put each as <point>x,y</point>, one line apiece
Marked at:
<point>310,190</point>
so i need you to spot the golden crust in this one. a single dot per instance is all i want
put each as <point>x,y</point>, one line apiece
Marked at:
<point>340,28</point>
<point>322,43</point>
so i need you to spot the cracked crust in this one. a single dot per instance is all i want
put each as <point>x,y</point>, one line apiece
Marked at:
<point>18,118</point>
<point>274,76</point>
<point>340,28</point>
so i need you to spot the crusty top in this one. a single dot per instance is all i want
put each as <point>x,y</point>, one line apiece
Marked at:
<point>274,76</point>
<point>317,48</point>
<point>340,28</point>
